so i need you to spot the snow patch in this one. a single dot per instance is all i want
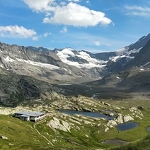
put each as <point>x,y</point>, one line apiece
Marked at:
<point>118,77</point>
<point>142,69</point>
<point>66,53</point>
<point>122,50</point>
<point>8,59</point>
<point>49,66</point>
<point>1,66</point>
<point>114,59</point>
<point>146,64</point>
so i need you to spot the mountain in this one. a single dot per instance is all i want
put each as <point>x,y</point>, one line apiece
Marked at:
<point>133,80</point>
<point>142,59</point>
<point>43,65</point>
<point>66,65</point>
<point>125,55</point>
<point>37,72</point>
<point>16,89</point>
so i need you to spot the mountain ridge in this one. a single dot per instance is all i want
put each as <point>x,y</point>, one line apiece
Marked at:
<point>70,73</point>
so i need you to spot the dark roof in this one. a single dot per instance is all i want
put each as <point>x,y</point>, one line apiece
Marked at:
<point>35,114</point>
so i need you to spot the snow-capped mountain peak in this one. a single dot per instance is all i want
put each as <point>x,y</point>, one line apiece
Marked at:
<point>79,59</point>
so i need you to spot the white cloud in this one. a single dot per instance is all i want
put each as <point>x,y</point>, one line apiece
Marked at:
<point>48,14</point>
<point>40,5</point>
<point>137,11</point>
<point>77,15</point>
<point>62,3</point>
<point>35,38</point>
<point>46,34</point>
<point>97,43</point>
<point>68,14</point>
<point>73,0</point>
<point>64,30</point>
<point>16,31</point>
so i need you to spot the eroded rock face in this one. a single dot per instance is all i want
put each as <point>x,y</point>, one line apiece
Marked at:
<point>29,90</point>
<point>128,118</point>
<point>119,118</point>
<point>59,124</point>
<point>136,112</point>
<point>111,123</point>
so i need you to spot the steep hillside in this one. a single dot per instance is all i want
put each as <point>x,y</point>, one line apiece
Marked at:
<point>142,59</point>
<point>36,72</point>
<point>125,55</point>
<point>43,65</point>
<point>16,89</point>
<point>66,65</point>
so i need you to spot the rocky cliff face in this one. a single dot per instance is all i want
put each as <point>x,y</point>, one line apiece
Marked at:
<point>43,65</point>
<point>15,89</point>
<point>26,72</point>
<point>66,65</point>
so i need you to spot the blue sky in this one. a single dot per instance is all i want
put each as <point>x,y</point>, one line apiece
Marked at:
<point>92,25</point>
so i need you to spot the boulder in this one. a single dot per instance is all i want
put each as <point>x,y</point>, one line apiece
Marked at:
<point>111,123</point>
<point>59,124</point>
<point>106,129</point>
<point>3,137</point>
<point>128,118</point>
<point>119,119</point>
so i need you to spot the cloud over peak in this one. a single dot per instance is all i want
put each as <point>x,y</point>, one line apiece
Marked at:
<point>71,14</point>
<point>77,15</point>
<point>18,31</point>
<point>39,5</point>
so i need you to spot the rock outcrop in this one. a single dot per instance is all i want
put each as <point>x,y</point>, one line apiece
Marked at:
<point>3,137</point>
<point>55,123</point>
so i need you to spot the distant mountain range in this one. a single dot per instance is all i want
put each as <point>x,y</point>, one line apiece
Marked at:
<point>126,68</point>
<point>66,65</point>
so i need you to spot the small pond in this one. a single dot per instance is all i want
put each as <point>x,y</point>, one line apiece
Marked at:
<point>148,129</point>
<point>115,142</point>
<point>126,126</point>
<point>89,114</point>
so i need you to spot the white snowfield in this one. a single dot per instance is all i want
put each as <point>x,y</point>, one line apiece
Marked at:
<point>69,52</point>
<point>92,62</point>
<point>123,52</point>
<point>8,59</point>
<point>44,65</point>
<point>39,64</point>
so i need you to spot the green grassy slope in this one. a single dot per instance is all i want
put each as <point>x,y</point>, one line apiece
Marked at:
<point>85,132</point>
<point>143,144</point>
<point>20,134</point>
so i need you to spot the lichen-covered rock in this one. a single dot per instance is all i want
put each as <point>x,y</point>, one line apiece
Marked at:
<point>119,118</point>
<point>136,112</point>
<point>111,123</point>
<point>59,124</point>
<point>106,129</point>
<point>128,118</point>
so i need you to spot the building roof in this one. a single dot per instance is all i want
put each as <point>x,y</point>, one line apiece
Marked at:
<point>25,116</point>
<point>35,114</point>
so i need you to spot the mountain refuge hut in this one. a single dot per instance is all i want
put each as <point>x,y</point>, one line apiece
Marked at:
<point>29,116</point>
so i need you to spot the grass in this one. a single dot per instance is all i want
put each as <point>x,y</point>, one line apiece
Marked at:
<point>130,103</point>
<point>22,135</point>
<point>143,144</point>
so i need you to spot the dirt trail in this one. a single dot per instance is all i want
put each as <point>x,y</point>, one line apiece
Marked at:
<point>39,122</point>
